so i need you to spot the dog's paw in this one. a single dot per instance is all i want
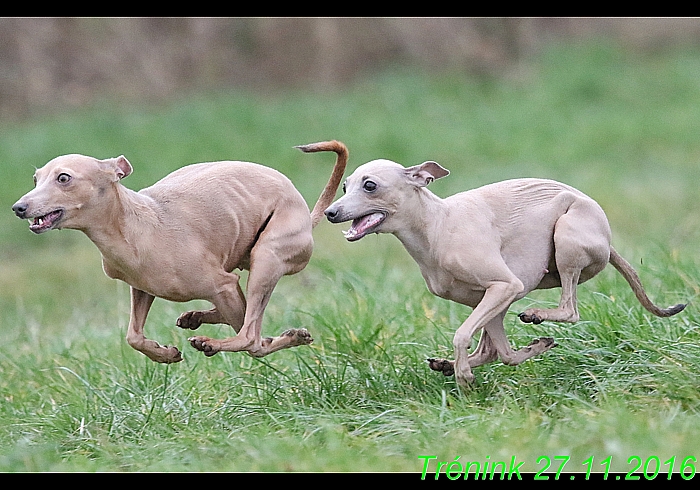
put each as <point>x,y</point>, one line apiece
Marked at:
<point>190,320</point>
<point>529,317</point>
<point>299,336</point>
<point>160,353</point>
<point>203,344</point>
<point>173,355</point>
<point>547,342</point>
<point>444,366</point>
<point>465,381</point>
<point>543,344</point>
<point>166,355</point>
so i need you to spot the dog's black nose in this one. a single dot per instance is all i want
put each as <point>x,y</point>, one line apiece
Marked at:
<point>20,209</point>
<point>331,214</point>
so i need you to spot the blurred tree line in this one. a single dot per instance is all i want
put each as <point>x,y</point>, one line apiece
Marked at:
<point>58,62</point>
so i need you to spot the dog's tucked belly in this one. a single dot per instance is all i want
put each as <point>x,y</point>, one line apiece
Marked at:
<point>171,283</point>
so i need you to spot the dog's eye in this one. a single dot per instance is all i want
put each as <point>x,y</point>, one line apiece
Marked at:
<point>343,187</point>
<point>35,181</point>
<point>63,178</point>
<point>369,186</point>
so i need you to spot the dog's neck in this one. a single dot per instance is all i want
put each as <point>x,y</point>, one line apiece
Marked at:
<point>419,216</point>
<point>126,219</point>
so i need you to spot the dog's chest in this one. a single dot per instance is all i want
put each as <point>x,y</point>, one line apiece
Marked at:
<point>443,284</point>
<point>160,281</point>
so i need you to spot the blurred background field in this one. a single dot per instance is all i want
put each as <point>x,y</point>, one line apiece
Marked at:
<point>610,106</point>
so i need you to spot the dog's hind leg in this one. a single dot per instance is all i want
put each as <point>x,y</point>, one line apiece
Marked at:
<point>261,282</point>
<point>272,257</point>
<point>567,311</point>
<point>228,308</point>
<point>581,250</point>
<point>193,319</point>
<point>506,353</point>
<point>260,287</point>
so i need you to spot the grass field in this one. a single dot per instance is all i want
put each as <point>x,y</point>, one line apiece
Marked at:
<point>621,126</point>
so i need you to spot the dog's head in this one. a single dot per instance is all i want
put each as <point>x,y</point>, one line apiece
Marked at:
<point>66,186</point>
<point>376,193</point>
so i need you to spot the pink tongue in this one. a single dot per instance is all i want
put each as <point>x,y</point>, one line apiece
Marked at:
<point>359,225</point>
<point>47,220</point>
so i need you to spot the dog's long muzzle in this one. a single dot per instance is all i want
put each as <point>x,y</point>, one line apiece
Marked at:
<point>333,214</point>
<point>20,209</point>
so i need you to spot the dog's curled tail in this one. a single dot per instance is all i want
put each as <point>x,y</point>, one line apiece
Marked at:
<point>328,194</point>
<point>630,275</point>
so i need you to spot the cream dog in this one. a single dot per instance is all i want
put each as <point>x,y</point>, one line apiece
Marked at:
<point>487,248</point>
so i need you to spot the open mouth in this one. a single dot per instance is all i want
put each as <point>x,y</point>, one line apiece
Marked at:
<point>40,224</point>
<point>363,226</point>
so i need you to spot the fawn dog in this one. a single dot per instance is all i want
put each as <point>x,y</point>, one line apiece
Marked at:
<point>181,238</point>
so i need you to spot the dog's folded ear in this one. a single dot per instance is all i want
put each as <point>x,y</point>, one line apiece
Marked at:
<point>120,166</point>
<point>423,174</point>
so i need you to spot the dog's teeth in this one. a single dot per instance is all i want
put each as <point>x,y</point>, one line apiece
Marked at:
<point>41,221</point>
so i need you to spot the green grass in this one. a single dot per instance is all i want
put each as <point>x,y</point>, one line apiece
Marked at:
<point>620,126</point>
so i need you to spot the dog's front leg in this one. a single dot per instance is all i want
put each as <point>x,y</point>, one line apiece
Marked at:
<point>496,300</point>
<point>484,353</point>
<point>140,304</point>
